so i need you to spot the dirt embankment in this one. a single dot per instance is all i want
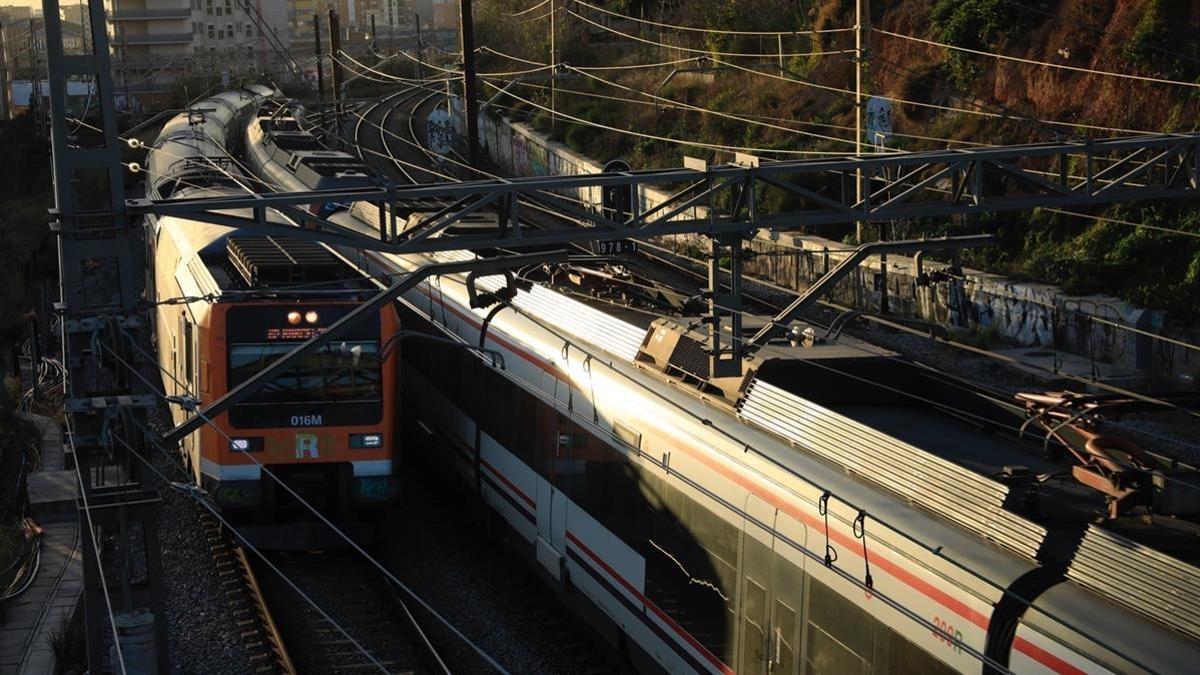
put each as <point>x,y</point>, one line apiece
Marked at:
<point>1153,38</point>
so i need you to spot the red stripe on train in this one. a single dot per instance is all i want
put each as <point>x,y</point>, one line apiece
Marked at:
<point>895,570</point>
<point>1045,658</point>
<point>503,479</point>
<point>695,644</point>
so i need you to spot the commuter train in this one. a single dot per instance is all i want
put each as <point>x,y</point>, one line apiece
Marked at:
<point>228,302</point>
<point>808,517</point>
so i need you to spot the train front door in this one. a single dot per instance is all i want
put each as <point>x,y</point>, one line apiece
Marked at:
<point>772,591</point>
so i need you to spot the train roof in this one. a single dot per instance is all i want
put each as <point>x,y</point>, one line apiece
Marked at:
<point>938,442</point>
<point>301,153</point>
<point>226,261</point>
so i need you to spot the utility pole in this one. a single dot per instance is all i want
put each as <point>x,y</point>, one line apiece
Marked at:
<point>84,28</point>
<point>320,59</point>
<point>103,317</point>
<point>374,37</point>
<point>470,96</point>
<point>862,19</point>
<point>553,62</point>
<point>420,50</point>
<point>4,106</point>
<point>335,50</point>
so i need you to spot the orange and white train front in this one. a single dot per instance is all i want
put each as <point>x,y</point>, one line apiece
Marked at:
<point>324,427</point>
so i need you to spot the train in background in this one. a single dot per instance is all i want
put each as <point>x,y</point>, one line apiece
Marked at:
<point>805,518</point>
<point>227,304</point>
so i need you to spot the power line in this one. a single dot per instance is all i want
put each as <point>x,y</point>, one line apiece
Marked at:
<point>1107,219</point>
<point>665,139</point>
<point>709,111</point>
<point>934,106</point>
<point>308,505</point>
<point>823,125</point>
<point>526,11</point>
<point>1095,29</point>
<point>707,51</point>
<point>193,492</point>
<point>1090,71</point>
<point>719,31</point>
<point>91,528</point>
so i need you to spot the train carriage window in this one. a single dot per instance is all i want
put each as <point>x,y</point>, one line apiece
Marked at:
<point>840,634</point>
<point>508,414</point>
<point>691,553</point>
<point>901,657</point>
<point>754,608</point>
<point>342,371</point>
<point>691,568</point>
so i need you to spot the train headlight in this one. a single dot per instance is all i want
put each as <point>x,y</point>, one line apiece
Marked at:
<point>366,441</point>
<point>293,318</point>
<point>245,444</point>
<point>311,316</point>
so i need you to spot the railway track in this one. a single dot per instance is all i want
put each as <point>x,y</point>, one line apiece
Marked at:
<point>362,603</point>
<point>518,596</point>
<point>255,623</point>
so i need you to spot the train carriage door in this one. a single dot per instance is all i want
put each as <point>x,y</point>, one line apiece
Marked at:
<point>757,560</point>
<point>787,601</point>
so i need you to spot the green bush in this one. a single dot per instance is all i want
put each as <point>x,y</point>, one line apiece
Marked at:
<point>1159,32</point>
<point>976,24</point>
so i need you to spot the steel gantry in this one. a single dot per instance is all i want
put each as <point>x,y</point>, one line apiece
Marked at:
<point>820,191</point>
<point>102,320</point>
<point>816,192</point>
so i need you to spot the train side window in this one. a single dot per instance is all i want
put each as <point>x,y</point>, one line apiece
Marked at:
<point>691,567</point>
<point>754,607</point>
<point>510,415</point>
<point>840,634</point>
<point>901,657</point>
<point>783,640</point>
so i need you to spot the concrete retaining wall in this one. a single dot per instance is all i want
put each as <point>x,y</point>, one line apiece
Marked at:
<point>1030,315</point>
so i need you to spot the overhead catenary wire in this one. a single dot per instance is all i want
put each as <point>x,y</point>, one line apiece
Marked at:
<point>710,52</point>
<point>193,492</point>
<point>665,139</point>
<point>712,31</point>
<point>933,106</point>
<point>91,528</point>
<point>709,111</point>
<point>1046,64</point>
<point>528,10</point>
<point>316,512</point>
<point>1151,399</point>
<point>390,77</point>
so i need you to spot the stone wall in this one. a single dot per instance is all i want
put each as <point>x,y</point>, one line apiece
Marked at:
<point>522,151</point>
<point>997,309</point>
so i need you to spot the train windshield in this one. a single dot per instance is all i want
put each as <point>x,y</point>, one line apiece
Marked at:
<point>340,372</point>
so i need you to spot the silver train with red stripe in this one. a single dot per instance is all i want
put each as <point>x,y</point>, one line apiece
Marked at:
<point>697,539</point>
<point>800,520</point>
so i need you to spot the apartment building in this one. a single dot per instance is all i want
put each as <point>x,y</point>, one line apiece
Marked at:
<point>445,14</point>
<point>155,43</point>
<point>23,46</point>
